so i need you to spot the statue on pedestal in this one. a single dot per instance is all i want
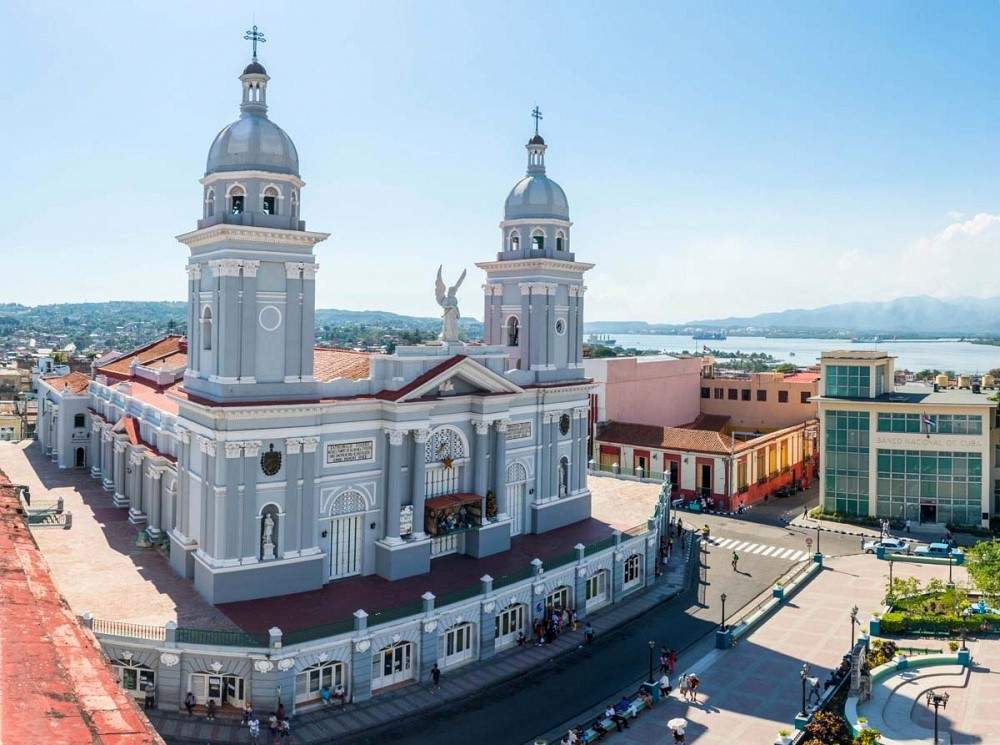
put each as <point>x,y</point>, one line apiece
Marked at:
<point>447,300</point>
<point>267,539</point>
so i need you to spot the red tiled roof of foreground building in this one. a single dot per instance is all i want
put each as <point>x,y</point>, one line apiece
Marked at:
<point>666,438</point>
<point>329,364</point>
<point>57,687</point>
<point>74,382</point>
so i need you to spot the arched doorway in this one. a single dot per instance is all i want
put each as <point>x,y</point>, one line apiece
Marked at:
<point>81,458</point>
<point>517,482</point>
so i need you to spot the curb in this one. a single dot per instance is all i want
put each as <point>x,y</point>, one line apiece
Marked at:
<point>828,530</point>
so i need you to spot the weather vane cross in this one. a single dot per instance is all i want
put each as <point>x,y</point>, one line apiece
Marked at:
<point>254,36</point>
<point>537,114</point>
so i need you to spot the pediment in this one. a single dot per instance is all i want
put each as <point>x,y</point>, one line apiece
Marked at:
<point>462,377</point>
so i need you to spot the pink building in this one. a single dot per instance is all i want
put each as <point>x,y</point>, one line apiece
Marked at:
<point>659,391</point>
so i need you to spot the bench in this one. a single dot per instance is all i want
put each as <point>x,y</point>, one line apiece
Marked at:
<point>591,735</point>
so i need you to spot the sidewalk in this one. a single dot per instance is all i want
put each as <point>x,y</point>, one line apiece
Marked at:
<point>751,691</point>
<point>323,725</point>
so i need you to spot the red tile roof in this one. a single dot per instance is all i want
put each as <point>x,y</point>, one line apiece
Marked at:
<point>708,422</point>
<point>154,354</point>
<point>74,382</point>
<point>329,364</point>
<point>803,376</point>
<point>57,686</point>
<point>666,438</point>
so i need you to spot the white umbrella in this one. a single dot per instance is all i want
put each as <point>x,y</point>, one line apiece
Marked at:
<point>677,723</point>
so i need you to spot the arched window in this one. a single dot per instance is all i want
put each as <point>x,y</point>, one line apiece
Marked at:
<point>563,476</point>
<point>560,241</point>
<point>295,203</point>
<point>513,330</point>
<point>79,421</point>
<point>237,200</point>
<point>270,201</point>
<point>538,241</point>
<point>210,203</point>
<point>515,241</point>
<point>206,328</point>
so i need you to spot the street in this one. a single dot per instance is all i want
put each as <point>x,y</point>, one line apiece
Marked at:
<point>530,705</point>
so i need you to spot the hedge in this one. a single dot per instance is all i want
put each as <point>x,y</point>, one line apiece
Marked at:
<point>895,622</point>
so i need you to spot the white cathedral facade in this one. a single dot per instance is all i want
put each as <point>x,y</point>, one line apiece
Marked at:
<point>271,466</point>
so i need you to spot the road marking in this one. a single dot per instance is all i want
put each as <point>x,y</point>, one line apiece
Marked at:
<point>762,547</point>
<point>797,556</point>
<point>759,549</point>
<point>770,550</point>
<point>741,546</point>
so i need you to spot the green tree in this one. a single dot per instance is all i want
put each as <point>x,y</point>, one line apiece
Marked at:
<point>786,368</point>
<point>983,563</point>
<point>827,728</point>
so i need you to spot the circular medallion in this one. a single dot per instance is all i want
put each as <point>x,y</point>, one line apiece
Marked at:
<point>269,317</point>
<point>560,327</point>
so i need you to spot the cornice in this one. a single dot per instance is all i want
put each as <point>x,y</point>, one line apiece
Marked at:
<point>244,175</point>
<point>224,231</point>
<point>517,265</point>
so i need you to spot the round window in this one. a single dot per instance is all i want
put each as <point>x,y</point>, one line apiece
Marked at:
<point>560,327</point>
<point>564,424</point>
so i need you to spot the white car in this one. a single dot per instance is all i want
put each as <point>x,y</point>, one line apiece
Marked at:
<point>891,546</point>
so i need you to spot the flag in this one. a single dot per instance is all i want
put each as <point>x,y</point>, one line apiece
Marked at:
<point>928,422</point>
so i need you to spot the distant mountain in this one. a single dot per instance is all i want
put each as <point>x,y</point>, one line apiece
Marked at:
<point>908,315</point>
<point>335,316</point>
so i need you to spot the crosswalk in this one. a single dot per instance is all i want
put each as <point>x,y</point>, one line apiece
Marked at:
<point>749,548</point>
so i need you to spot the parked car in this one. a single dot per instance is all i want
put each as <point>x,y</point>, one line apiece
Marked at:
<point>891,546</point>
<point>935,549</point>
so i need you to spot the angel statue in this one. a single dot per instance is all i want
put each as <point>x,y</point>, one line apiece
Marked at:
<point>447,300</point>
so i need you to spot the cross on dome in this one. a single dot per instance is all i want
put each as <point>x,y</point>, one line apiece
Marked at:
<point>537,114</point>
<point>254,36</point>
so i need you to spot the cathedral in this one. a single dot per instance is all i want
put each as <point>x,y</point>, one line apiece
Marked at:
<point>268,465</point>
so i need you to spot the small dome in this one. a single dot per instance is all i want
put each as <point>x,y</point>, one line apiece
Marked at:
<point>536,140</point>
<point>254,68</point>
<point>253,143</point>
<point>536,196</point>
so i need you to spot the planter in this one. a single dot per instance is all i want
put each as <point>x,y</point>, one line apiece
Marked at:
<point>778,592</point>
<point>784,738</point>
<point>875,626</point>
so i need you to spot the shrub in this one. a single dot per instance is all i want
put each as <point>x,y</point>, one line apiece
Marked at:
<point>828,729</point>
<point>882,651</point>
<point>868,737</point>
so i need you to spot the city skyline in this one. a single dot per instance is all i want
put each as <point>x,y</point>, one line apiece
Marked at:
<point>728,147</point>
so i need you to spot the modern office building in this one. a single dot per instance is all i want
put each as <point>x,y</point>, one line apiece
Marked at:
<point>919,452</point>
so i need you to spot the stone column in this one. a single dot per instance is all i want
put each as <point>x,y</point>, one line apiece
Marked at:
<point>183,517</point>
<point>95,448</point>
<point>206,540</point>
<point>524,342</point>
<point>579,465</point>
<point>193,318</point>
<point>309,512</point>
<point>480,475</point>
<point>394,486</point>
<point>249,525</point>
<point>500,467</point>
<point>572,320</point>
<point>118,469</point>
<point>542,471</point>
<point>293,321</point>
<point>579,325</point>
<point>554,454</point>
<point>308,300</point>
<point>107,460</point>
<point>248,310</point>
<point>135,486</point>
<point>153,499</point>
<point>293,493</point>
<point>418,470</point>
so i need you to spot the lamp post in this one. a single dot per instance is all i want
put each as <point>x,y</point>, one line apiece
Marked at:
<point>652,646</point>
<point>723,599</point>
<point>817,537</point>
<point>951,560</point>
<point>937,700</point>
<point>854,621</point>
<point>890,574</point>
<point>803,674</point>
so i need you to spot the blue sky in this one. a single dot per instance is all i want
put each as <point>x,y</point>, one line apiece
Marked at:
<point>719,159</point>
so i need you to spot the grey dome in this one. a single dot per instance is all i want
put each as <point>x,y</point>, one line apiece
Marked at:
<point>254,68</point>
<point>253,143</point>
<point>536,196</point>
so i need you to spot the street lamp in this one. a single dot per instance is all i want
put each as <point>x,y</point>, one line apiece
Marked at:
<point>804,674</point>
<point>817,538</point>
<point>652,645</point>
<point>937,700</point>
<point>723,599</point>
<point>854,621</point>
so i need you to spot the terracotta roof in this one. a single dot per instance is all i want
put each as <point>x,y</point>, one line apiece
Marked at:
<point>340,363</point>
<point>75,382</point>
<point>708,422</point>
<point>803,376</point>
<point>70,695</point>
<point>155,354</point>
<point>667,438</point>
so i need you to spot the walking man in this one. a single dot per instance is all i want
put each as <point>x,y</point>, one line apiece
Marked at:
<point>588,633</point>
<point>736,558</point>
<point>436,676</point>
<point>189,702</point>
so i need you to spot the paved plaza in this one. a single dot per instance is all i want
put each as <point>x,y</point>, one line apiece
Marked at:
<point>99,569</point>
<point>754,689</point>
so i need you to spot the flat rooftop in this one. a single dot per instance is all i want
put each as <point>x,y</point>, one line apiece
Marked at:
<point>855,354</point>
<point>917,393</point>
<point>98,568</point>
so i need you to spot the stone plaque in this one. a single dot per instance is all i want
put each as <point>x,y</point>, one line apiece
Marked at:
<point>518,430</point>
<point>350,452</point>
<point>406,520</point>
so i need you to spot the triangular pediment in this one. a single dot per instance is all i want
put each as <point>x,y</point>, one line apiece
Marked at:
<point>460,376</point>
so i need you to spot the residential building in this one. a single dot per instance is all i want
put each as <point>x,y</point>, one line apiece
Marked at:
<point>760,402</point>
<point>656,390</point>
<point>923,453</point>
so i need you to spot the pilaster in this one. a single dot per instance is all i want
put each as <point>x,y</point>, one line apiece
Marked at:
<point>500,467</point>
<point>418,469</point>
<point>394,486</point>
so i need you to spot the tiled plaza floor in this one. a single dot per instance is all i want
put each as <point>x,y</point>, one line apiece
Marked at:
<point>99,569</point>
<point>754,689</point>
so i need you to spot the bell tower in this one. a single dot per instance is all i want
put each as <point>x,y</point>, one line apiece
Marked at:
<point>252,272</point>
<point>534,289</point>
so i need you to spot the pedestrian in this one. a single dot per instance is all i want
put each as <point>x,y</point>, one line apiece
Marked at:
<point>693,684</point>
<point>149,701</point>
<point>665,685</point>
<point>678,736</point>
<point>664,661</point>
<point>679,528</point>
<point>588,633</point>
<point>907,525</point>
<point>612,714</point>
<point>280,713</point>
<point>254,725</point>
<point>670,548</point>
<point>521,640</point>
<point>736,558</point>
<point>210,710</point>
<point>673,660</point>
<point>284,730</point>
<point>248,710</point>
<point>189,702</point>
<point>436,676</point>
<point>272,726</point>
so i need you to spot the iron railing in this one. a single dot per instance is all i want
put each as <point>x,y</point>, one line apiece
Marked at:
<point>223,638</point>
